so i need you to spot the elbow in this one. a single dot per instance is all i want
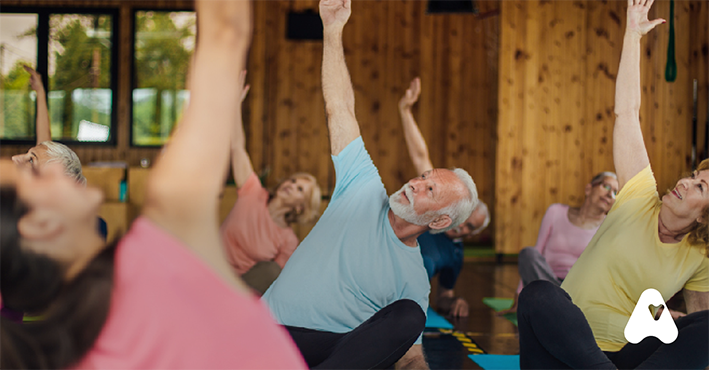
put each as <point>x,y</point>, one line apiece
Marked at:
<point>335,110</point>
<point>627,111</point>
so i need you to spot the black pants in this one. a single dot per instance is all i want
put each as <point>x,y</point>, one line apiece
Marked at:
<point>554,334</point>
<point>375,344</point>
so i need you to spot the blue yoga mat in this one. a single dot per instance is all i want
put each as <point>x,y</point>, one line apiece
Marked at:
<point>434,320</point>
<point>496,362</point>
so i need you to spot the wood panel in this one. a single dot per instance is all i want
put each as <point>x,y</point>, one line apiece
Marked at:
<point>387,43</point>
<point>558,64</point>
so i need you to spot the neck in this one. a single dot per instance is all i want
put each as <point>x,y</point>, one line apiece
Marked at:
<point>278,211</point>
<point>671,229</point>
<point>404,230</point>
<point>590,213</point>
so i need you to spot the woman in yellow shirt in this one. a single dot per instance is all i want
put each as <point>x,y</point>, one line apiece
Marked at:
<point>644,242</point>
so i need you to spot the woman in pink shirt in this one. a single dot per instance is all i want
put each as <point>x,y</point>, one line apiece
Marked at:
<point>565,233</point>
<point>257,233</point>
<point>163,296</point>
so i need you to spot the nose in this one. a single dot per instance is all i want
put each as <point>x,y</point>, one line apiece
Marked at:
<point>18,159</point>
<point>415,184</point>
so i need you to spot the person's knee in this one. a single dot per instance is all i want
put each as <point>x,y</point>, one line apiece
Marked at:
<point>527,253</point>
<point>535,295</point>
<point>409,319</point>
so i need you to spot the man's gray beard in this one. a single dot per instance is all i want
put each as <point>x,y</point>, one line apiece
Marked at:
<point>407,212</point>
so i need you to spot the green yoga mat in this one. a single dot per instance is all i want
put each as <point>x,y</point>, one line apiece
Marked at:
<point>499,304</point>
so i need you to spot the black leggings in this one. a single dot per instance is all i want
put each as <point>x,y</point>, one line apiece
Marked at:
<point>554,334</point>
<point>375,344</point>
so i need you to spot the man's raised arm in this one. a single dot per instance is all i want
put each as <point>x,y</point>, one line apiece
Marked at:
<point>336,83</point>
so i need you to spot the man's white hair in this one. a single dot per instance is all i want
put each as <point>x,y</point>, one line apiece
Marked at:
<point>61,153</point>
<point>460,210</point>
<point>481,207</point>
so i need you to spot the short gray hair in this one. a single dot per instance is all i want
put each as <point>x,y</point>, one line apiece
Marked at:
<point>481,207</point>
<point>61,153</point>
<point>462,209</point>
<point>601,176</point>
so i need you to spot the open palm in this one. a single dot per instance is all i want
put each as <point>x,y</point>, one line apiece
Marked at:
<point>335,12</point>
<point>637,17</point>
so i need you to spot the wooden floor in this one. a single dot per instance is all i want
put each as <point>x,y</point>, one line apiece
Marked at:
<point>492,333</point>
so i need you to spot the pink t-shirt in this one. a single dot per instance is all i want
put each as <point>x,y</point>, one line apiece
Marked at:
<point>170,310</point>
<point>559,241</point>
<point>250,234</point>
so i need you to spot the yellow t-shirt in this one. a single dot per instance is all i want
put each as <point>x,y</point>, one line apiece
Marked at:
<point>625,258</point>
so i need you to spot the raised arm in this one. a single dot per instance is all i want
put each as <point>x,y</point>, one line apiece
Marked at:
<point>336,83</point>
<point>240,161</point>
<point>183,188</point>
<point>418,151</point>
<point>43,131</point>
<point>629,153</point>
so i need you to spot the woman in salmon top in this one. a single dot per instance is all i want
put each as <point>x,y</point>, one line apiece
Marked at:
<point>164,297</point>
<point>257,233</point>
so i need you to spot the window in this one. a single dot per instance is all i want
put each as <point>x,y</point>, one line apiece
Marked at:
<point>75,53</point>
<point>163,45</point>
<point>18,46</point>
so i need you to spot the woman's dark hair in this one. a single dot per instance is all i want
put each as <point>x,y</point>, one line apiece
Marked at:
<point>72,313</point>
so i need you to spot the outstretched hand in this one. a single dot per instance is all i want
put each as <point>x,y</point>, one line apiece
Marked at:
<point>637,21</point>
<point>244,88</point>
<point>35,78</point>
<point>335,13</point>
<point>412,94</point>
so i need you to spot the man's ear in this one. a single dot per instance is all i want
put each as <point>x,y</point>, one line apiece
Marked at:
<point>587,190</point>
<point>441,222</point>
<point>38,225</point>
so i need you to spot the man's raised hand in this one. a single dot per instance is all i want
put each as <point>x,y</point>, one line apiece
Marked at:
<point>637,21</point>
<point>412,94</point>
<point>335,13</point>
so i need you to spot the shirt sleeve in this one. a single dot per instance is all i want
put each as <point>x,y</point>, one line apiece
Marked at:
<point>286,250</point>
<point>699,282</point>
<point>251,186</point>
<point>546,228</point>
<point>351,164</point>
<point>642,185</point>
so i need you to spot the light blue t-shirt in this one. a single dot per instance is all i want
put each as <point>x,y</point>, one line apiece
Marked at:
<point>351,265</point>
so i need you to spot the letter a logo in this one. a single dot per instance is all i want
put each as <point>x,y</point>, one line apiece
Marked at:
<point>642,324</point>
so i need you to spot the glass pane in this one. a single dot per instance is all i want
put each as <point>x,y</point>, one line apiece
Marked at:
<point>164,42</point>
<point>18,46</point>
<point>80,91</point>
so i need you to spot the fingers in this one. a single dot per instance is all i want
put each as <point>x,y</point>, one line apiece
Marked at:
<point>416,85</point>
<point>654,23</point>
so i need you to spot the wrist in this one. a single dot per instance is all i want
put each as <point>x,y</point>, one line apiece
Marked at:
<point>333,30</point>
<point>633,35</point>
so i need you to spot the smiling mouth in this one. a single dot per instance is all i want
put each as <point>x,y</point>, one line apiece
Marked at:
<point>677,194</point>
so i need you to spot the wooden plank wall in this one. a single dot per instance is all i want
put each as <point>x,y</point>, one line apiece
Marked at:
<point>387,43</point>
<point>558,63</point>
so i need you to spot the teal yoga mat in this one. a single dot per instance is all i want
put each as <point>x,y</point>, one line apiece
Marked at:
<point>496,362</point>
<point>434,320</point>
<point>499,304</point>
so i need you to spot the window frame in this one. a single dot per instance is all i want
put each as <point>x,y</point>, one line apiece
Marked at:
<point>132,87</point>
<point>42,63</point>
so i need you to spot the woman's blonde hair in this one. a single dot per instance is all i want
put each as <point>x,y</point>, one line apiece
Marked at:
<point>700,235</point>
<point>311,211</point>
